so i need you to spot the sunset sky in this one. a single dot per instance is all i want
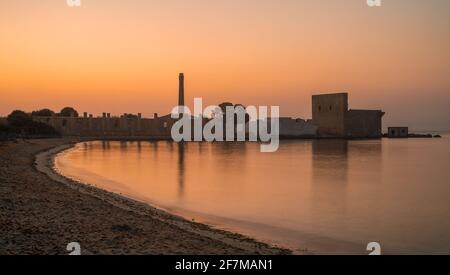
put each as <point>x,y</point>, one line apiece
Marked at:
<point>124,56</point>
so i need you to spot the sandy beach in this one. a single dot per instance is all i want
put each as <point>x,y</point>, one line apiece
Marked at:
<point>41,212</point>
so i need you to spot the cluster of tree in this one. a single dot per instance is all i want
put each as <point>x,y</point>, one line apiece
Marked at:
<point>3,131</point>
<point>239,110</point>
<point>21,124</point>
<point>65,112</point>
<point>239,113</point>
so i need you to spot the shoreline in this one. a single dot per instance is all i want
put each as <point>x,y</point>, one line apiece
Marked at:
<point>113,217</point>
<point>297,241</point>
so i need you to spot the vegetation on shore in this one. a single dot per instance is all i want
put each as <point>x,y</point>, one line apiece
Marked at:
<point>20,124</point>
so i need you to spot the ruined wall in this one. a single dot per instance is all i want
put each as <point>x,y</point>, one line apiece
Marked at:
<point>291,128</point>
<point>364,123</point>
<point>110,127</point>
<point>328,113</point>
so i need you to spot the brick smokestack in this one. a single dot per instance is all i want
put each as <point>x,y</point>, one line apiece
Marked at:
<point>181,91</point>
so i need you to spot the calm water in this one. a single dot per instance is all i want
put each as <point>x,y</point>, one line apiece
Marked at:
<point>325,196</point>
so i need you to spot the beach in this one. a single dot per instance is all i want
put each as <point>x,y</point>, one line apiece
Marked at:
<point>41,212</point>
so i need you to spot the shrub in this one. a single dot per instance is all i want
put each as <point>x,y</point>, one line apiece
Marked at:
<point>19,119</point>
<point>68,112</point>
<point>20,124</point>
<point>43,113</point>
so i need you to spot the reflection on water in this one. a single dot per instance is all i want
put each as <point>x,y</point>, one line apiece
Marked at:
<point>330,196</point>
<point>181,168</point>
<point>329,178</point>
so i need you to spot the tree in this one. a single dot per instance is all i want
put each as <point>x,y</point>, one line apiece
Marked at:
<point>239,109</point>
<point>43,113</point>
<point>3,128</point>
<point>68,112</point>
<point>21,124</point>
<point>239,113</point>
<point>19,119</point>
<point>223,106</point>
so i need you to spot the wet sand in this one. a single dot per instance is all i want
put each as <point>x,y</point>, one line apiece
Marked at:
<point>41,212</point>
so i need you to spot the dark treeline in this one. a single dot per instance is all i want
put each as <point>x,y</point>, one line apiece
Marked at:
<point>65,112</point>
<point>20,124</point>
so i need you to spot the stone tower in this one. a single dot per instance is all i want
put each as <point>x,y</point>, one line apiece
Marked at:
<point>329,113</point>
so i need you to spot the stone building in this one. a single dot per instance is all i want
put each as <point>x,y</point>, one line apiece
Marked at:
<point>331,117</point>
<point>398,132</point>
<point>331,114</point>
<point>291,128</point>
<point>106,126</point>
<point>124,127</point>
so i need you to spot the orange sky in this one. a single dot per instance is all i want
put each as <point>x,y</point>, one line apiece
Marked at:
<point>124,56</point>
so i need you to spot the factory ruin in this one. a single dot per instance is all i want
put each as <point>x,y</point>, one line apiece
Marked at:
<point>331,118</point>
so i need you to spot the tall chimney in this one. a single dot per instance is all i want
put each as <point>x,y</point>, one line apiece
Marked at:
<point>181,92</point>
